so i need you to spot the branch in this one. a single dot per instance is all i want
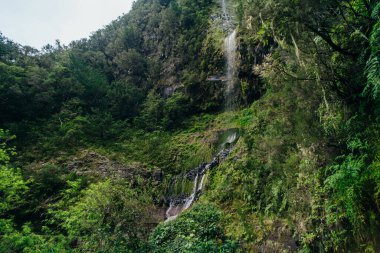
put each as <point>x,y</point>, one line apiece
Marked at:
<point>293,76</point>
<point>326,37</point>
<point>342,14</point>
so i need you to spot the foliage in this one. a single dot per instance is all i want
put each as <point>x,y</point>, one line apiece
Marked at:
<point>199,230</point>
<point>107,217</point>
<point>158,113</point>
<point>304,175</point>
<point>24,240</point>
<point>12,185</point>
<point>373,63</point>
<point>309,142</point>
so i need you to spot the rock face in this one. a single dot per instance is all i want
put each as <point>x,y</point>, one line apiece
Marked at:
<point>90,163</point>
<point>224,18</point>
<point>168,91</point>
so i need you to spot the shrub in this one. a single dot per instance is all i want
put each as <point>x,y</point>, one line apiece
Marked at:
<point>199,230</point>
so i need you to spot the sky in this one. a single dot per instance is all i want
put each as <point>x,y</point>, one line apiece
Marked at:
<point>39,22</point>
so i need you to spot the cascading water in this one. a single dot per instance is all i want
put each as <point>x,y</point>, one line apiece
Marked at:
<point>180,203</point>
<point>230,47</point>
<point>175,209</point>
<point>230,89</point>
<point>225,12</point>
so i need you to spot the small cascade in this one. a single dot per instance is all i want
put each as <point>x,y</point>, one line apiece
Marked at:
<point>180,203</point>
<point>232,138</point>
<point>189,201</point>
<point>200,186</point>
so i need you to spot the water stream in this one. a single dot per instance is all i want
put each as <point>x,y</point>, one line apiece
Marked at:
<point>230,48</point>
<point>230,89</point>
<point>225,12</point>
<point>180,201</point>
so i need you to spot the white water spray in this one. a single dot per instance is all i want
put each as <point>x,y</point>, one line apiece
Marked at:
<point>174,210</point>
<point>230,89</point>
<point>189,201</point>
<point>200,186</point>
<point>230,48</point>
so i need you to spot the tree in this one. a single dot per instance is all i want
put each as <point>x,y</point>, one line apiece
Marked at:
<point>199,230</point>
<point>151,113</point>
<point>125,99</point>
<point>176,109</point>
<point>107,217</point>
<point>12,185</point>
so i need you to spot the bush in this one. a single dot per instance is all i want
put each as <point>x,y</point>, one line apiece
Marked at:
<point>199,230</point>
<point>107,217</point>
<point>12,185</point>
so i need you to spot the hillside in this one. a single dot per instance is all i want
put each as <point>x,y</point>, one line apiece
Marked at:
<point>196,126</point>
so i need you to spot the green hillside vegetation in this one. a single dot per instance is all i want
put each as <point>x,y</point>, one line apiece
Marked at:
<point>92,134</point>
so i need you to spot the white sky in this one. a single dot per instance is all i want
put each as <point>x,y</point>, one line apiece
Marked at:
<point>39,22</point>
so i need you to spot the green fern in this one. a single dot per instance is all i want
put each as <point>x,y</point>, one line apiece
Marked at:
<point>376,11</point>
<point>373,64</point>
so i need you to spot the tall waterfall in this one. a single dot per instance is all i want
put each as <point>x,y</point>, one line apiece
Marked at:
<point>197,176</point>
<point>230,48</point>
<point>230,89</point>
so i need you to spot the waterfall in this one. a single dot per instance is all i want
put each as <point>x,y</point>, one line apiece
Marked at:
<point>231,138</point>
<point>230,89</point>
<point>174,210</point>
<point>200,186</point>
<point>224,9</point>
<point>180,203</point>
<point>189,201</point>
<point>230,48</point>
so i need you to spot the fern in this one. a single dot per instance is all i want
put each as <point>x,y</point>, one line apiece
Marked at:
<point>373,64</point>
<point>376,11</point>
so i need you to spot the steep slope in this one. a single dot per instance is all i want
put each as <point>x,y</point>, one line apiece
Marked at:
<point>303,176</point>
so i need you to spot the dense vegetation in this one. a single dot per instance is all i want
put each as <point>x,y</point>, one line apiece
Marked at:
<point>95,131</point>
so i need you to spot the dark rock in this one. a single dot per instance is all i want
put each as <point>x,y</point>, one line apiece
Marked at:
<point>158,175</point>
